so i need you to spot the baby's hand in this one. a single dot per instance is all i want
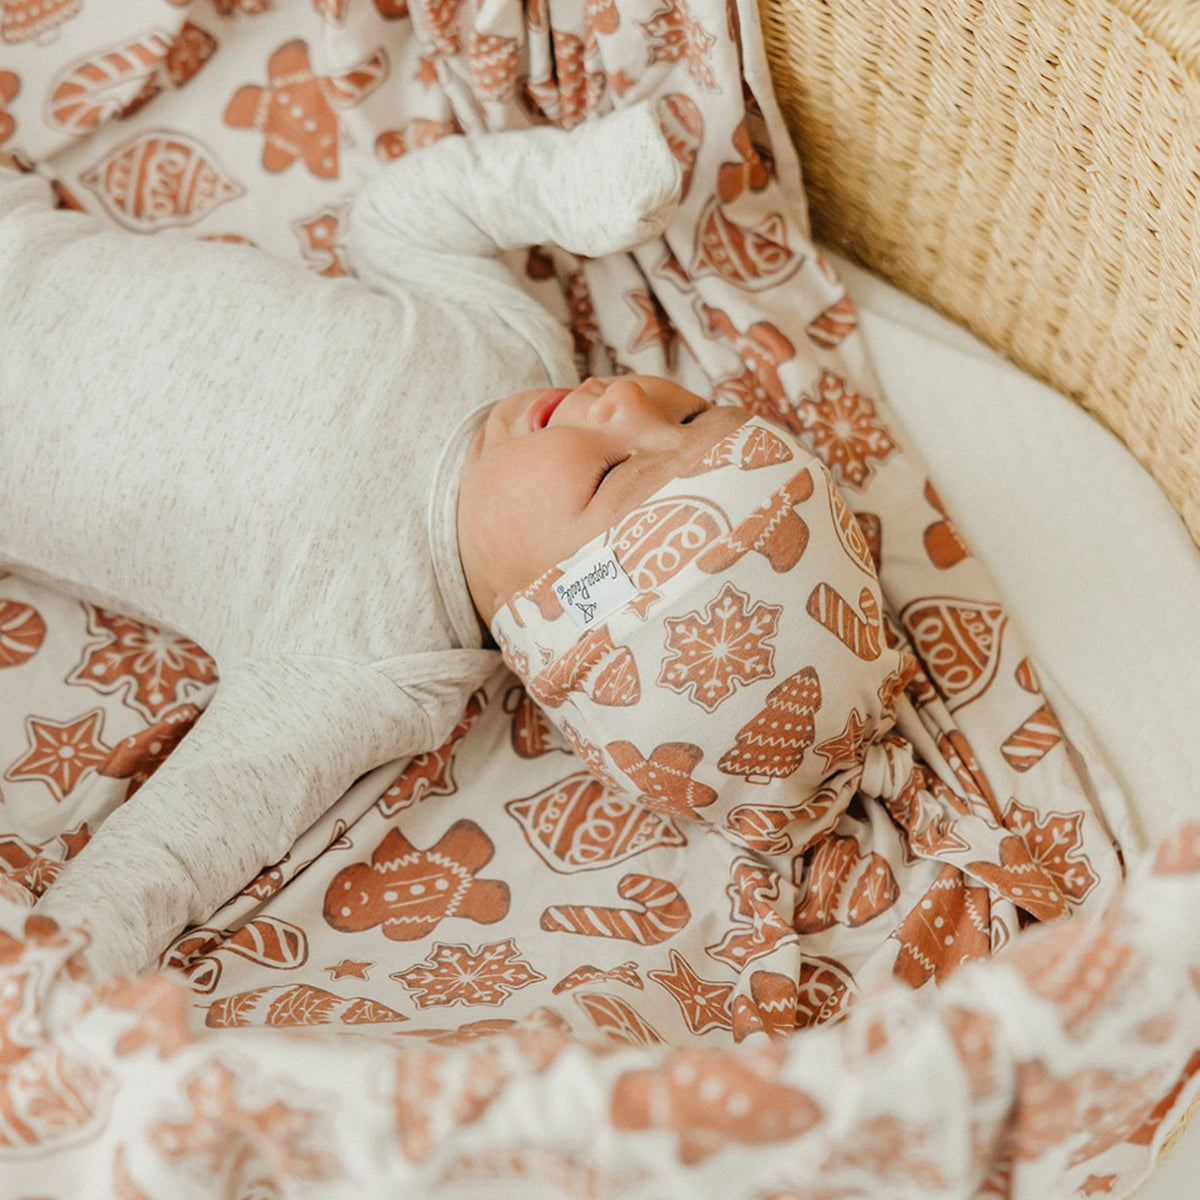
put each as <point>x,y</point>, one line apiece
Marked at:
<point>615,184</point>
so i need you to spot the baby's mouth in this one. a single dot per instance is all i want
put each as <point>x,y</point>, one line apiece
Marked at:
<point>542,409</point>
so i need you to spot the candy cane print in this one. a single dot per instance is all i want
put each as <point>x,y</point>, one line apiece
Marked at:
<point>832,610</point>
<point>666,913</point>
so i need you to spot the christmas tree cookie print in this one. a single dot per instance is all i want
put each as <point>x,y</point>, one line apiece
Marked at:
<point>772,744</point>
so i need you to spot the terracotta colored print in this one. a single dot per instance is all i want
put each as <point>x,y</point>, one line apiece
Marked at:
<point>297,1004</point>
<point>10,85</point>
<point>655,328</point>
<point>942,541</point>
<point>229,7</point>
<point>1180,853</point>
<point>531,735</point>
<point>138,756</point>
<point>682,124</point>
<point>843,750</point>
<point>190,50</point>
<point>834,325</point>
<point>214,1096</point>
<point>841,885</point>
<point>431,773</point>
<point>61,753</point>
<point>1083,975</point>
<point>22,631</point>
<point>772,744</point>
<point>578,825</point>
<point>949,926</point>
<point>493,62</point>
<point>845,430</point>
<point>665,778</point>
<point>770,830</point>
<point>1026,676</point>
<point>441,18</point>
<point>712,654</point>
<point>872,531</point>
<point>775,530</point>
<point>267,147</point>
<point>890,1150</point>
<point>318,239</point>
<point>271,942</point>
<point>770,1008</point>
<point>626,973</point>
<point>617,1020</point>
<point>23,20</point>
<point>747,448</point>
<point>557,1172</point>
<point>1055,843</point>
<point>711,1101</point>
<point>854,538</point>
<point>50,1097</point>
<point>751,173</point>
<point>158,180</point>
<point>460,975</point>
<point>1036,736</point>
<point>824,993</point>
<point>603,16</point>
<point>763,349</point>
<point>295,112</point>
<point>606,673</point>
<point>673,35</point>
<point>861,635</point>
<point>959,643</point>
<point>108,83</point>
<point>751,259</point>
<point>756,925</point>
<point>152,670</point>
<point>410,891</point>
<point>658,539</point>
<point>703,1003</point>
<point>662,912</point>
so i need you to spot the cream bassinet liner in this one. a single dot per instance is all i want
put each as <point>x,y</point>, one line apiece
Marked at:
<point>1030,168</point>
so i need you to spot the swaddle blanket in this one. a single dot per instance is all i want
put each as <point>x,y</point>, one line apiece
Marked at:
<point>556,978</point>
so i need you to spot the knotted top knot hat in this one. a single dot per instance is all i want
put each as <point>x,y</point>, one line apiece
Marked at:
<point>720,652</point>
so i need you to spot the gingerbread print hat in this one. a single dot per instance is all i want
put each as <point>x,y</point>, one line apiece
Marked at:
<point>720,651</point>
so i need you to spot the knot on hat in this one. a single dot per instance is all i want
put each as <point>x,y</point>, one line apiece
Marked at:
<point>721,652</point>
<point>887,770</point>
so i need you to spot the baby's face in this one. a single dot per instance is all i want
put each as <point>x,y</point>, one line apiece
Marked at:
<point>552,468</point>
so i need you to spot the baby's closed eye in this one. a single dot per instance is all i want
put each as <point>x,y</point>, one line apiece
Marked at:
<point>610,465</point>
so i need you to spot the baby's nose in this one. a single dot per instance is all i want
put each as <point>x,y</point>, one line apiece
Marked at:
<point>623,398</point>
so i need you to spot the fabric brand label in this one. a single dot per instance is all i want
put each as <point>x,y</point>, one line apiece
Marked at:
<point>594,588</point>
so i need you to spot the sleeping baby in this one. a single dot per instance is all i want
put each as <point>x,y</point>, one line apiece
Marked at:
<point>315,480</point>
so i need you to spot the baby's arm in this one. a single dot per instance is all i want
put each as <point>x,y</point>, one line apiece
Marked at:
<point>280,740</point>
<point>436,218</point>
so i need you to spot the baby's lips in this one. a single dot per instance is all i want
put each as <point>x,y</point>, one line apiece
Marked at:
<point>542,409</point>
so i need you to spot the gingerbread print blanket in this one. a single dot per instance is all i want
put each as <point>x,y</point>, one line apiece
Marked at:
<point>525,957</point>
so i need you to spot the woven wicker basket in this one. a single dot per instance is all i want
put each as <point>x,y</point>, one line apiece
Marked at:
<point>1032,169</point>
